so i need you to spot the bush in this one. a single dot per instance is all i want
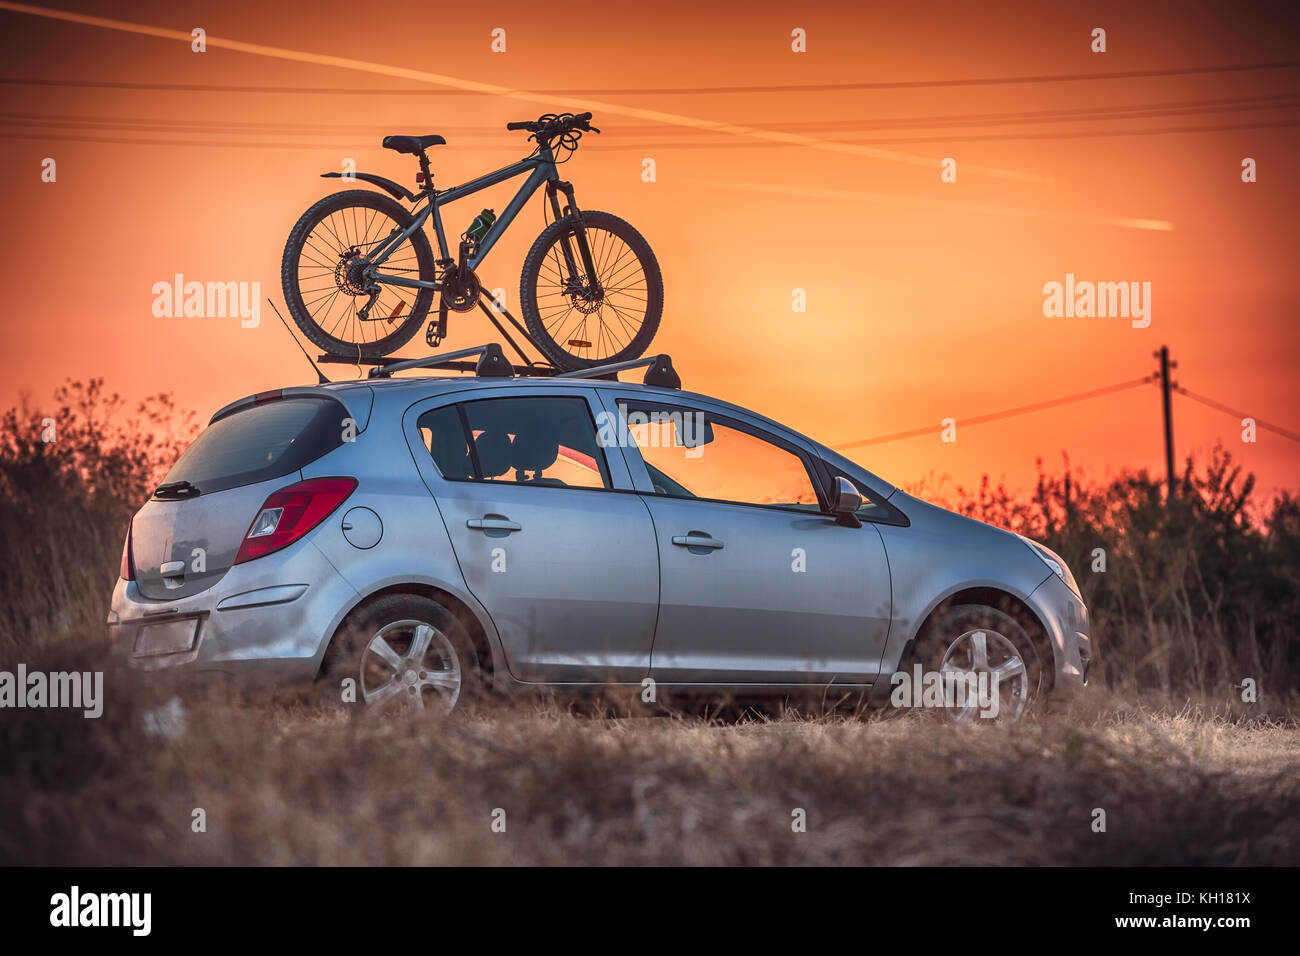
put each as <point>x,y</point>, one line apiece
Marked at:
<point>70,479</point>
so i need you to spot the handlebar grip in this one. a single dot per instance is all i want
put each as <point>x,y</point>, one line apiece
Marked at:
<point>582,117</point>
<point>526,126</point>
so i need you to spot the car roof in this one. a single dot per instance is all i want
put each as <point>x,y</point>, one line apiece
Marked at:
<point>360,394</point>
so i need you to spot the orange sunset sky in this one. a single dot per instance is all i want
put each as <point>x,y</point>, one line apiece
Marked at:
<point>924,298</point>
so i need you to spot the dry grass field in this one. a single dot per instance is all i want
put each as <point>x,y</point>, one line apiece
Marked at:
<point>290,782</point>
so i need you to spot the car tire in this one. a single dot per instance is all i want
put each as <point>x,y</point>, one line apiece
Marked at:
<point>378,647</point>
<point>952,642</point>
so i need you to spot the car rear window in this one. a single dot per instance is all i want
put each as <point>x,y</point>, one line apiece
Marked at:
<point>261,442</point>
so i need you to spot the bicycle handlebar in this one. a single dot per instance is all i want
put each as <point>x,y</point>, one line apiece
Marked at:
<point>546,128</point>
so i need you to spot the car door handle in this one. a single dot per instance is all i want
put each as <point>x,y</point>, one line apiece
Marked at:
<point>493,523</point>
<point>696,539</point>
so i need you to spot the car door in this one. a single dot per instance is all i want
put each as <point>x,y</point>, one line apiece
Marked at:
<point>757,584</point>
<point>564,563</point>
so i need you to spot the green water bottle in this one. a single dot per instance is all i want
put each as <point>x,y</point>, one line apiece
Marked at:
<point>481,224</point>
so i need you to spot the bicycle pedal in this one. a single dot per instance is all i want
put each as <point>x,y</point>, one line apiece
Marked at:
<point>431,336</point>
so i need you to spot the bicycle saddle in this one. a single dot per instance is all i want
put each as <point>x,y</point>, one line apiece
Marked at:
<point>413,144</point>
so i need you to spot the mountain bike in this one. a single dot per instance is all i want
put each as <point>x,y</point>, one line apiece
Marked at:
<point>359,274</point>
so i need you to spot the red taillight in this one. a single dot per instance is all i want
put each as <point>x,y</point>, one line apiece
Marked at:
<point>290,513</point>
<point>127,571</point>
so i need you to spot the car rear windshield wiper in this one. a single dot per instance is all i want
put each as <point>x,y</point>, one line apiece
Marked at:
<point>176,489</point>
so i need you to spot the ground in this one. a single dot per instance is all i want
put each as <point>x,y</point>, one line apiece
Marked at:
<point>272,780</point>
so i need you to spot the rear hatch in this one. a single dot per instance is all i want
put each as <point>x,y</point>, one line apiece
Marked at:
<point>185,538</point>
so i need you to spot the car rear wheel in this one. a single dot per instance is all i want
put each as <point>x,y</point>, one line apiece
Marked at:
<point>404,652</point>
<point>987,663</point>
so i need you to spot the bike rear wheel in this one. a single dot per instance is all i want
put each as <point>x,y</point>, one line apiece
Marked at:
<point>574,327</point>
<point>321,275</point>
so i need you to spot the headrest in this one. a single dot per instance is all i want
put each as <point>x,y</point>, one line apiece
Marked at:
<point>493,452</point>
<point>534,450</point>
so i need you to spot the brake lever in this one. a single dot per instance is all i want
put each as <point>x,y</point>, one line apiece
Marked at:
<point>593,129</point>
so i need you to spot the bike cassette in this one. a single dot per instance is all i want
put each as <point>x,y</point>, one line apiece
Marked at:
<point>350,273</point>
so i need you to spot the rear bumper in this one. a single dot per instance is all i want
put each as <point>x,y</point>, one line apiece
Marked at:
<point>1065,617</point>
<point>269,619</point>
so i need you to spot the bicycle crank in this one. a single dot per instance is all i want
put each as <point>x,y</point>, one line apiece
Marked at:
<point>460,288</point>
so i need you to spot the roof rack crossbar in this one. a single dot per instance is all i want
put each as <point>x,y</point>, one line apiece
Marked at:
<point>659,371</point>
<point>492,362</point>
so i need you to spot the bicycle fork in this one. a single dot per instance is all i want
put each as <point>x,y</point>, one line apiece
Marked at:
<point>593,290</point>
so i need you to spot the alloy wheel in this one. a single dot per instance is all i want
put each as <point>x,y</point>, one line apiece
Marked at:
<point>985,652</point>
<point>413,663</point>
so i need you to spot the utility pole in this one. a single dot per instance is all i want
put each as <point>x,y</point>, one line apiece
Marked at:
<point>1166,391</point>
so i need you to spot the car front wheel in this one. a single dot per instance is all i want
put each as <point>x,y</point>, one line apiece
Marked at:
<point>986,661</point>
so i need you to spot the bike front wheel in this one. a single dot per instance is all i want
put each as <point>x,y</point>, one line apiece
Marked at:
<point>578,320</point>
<point>323,274</point>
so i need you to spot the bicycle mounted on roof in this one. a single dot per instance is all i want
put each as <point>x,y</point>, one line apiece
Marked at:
<point>359,273</point>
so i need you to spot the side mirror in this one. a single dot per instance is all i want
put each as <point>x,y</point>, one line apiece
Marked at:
<point>845,501</point>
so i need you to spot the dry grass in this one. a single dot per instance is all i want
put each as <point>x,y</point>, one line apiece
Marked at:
<point>296,783</point>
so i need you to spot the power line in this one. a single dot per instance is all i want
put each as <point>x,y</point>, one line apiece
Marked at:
<point>641,147</point>
<point>1237,413</point>
<point>670,90</point>
<point>995,137</point>
<point>205,144</point>
<point>1092,113</point>
<point>925,84</point>
<point>1068,399</point>
<point>1084,112</point>
<point>444,81</point>
<point>1083,133</point>
<point>1136,110</point>
<point>1008,413</point>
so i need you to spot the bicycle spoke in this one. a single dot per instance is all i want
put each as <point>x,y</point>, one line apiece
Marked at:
<point>342,228</point>
<point>631,326</point>
<point>559,334</point>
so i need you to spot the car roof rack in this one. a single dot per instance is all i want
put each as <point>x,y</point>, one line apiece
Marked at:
<point>659,371</point>
<point>490,362</point>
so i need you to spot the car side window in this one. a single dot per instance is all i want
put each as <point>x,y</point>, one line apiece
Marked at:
<point>545,441</point>
<point>692,454</point>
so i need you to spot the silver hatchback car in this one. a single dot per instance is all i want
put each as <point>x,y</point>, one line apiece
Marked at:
<point>419,539</point>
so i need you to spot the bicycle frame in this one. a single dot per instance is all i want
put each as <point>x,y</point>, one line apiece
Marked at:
<point>540,169</point>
